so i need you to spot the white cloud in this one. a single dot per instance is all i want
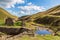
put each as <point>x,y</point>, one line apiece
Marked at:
<point>31,8</point>
<point>22,12</point>
<point>28,9</point>
<point>10,3</point>
<point>29,3</point>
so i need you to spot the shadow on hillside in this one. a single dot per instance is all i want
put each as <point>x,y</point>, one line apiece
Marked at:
<point>48,20</point>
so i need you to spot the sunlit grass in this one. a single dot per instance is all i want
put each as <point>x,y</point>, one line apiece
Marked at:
<point>39,37</point>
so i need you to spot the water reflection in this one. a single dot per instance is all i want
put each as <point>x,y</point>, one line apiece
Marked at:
<point>43,32</point>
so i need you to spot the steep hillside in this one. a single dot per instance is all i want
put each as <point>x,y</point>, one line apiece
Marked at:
<point>53,13</point>
<point>54,10</point>
<point>52,16</point>
<point>4,14</point>
<point>49,18</point>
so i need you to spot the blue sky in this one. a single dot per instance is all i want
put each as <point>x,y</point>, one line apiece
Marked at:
<point>27,7</point>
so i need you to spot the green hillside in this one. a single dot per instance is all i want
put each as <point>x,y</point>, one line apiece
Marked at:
<point>53,10</point>
<point>4,14</point>
<point>49,19</point>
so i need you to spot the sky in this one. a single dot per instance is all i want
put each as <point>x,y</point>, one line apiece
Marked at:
<point>27,7</point>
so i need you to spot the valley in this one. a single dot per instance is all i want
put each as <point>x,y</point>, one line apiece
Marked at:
<point>25,27</point>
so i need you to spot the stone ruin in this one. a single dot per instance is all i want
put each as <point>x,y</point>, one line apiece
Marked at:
<point>9,22</point>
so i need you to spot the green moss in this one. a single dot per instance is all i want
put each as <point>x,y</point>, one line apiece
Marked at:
<point>18,23</point>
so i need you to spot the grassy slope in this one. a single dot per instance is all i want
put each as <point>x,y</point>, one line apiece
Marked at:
<point>45,13</point>
<point>49,18</point>
<point>4,14</point>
